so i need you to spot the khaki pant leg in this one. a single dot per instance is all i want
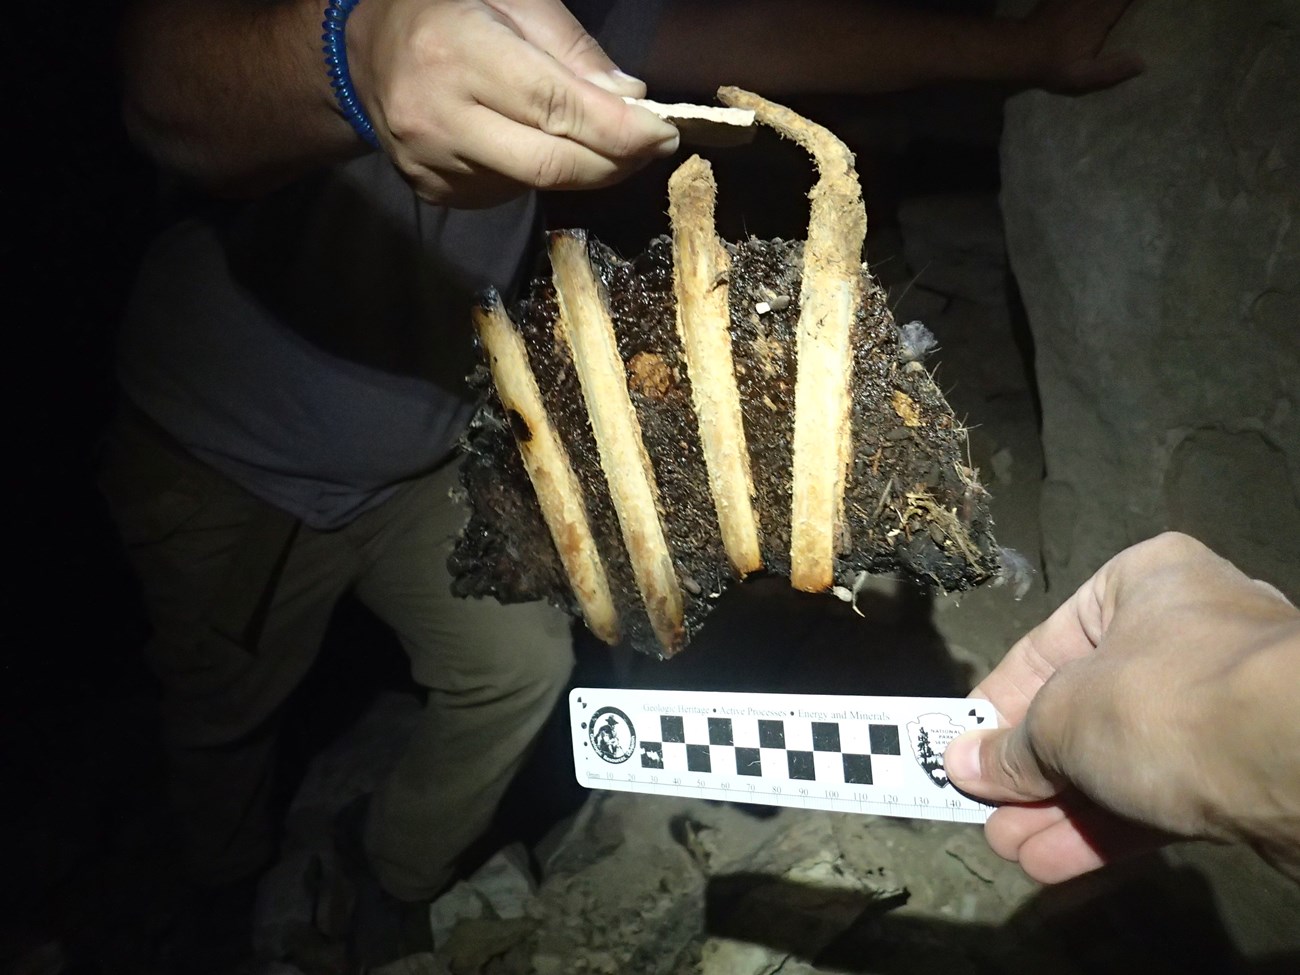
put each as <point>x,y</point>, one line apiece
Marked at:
<point>493,675</point>
<point>238,594</point>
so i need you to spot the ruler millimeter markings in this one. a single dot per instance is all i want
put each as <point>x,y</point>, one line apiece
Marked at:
<point>877,755</point>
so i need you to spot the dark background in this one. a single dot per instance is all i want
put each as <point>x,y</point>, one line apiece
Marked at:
<point>78,754</point>
<point>77,205</point>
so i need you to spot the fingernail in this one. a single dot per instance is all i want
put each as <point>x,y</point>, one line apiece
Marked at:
<point>618,82</point>
<point>669,146</point>
<point>961,759</point>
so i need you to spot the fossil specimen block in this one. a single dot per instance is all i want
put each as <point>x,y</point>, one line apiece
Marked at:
<point>655,430</point>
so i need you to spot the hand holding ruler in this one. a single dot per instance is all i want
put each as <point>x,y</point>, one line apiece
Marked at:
<point>877,755</point>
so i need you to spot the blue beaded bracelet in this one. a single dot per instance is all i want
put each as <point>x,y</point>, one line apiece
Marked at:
<point>336,60</point>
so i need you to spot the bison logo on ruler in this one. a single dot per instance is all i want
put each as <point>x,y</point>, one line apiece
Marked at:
<point>612,736</point>
<point>930,735</point>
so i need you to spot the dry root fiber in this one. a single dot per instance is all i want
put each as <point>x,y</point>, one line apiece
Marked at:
<point>653,431</point>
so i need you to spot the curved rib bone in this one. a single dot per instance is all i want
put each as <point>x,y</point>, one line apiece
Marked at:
<point>547,463</point>
<point>700,269</point>
<point>585,323</point>
<point>830,298</point>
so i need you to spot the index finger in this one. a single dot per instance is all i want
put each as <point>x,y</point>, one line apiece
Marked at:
<point>1071,632</point>
<point>528,86</point>
<point>550,26</point>
<point>534,159</point>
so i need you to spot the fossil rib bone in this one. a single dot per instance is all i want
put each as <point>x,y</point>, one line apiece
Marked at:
<point>830,297</point>
<point>700,269</point>
<point>587,328</point>
<point>548,467</point>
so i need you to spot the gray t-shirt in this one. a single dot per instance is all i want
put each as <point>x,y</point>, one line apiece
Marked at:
<point>312,345</point>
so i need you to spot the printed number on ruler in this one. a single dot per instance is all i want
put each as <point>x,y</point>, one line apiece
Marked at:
<point>880,755</point>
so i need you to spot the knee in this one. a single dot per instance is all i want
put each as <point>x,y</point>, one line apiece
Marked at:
<point>520,651</point>
<point>543,658</point>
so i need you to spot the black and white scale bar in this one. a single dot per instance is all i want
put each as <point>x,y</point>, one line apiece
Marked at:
<point>878,755</point>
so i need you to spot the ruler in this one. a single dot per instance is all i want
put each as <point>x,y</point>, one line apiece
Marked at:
<point>876,755</point>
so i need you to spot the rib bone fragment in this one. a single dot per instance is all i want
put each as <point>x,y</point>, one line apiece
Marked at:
<point>704,125</point>
<point>587,328</point>
<point>831,296</point>
<point>548,467</point>
<point>700,269</point>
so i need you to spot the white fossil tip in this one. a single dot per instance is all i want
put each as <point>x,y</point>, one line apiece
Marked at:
<point>704,125</point>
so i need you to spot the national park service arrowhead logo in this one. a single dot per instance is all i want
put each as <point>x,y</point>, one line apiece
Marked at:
<point>929,735</point>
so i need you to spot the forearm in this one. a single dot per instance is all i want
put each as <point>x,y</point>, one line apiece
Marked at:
<point>839,46</point>
<point>232,94</point>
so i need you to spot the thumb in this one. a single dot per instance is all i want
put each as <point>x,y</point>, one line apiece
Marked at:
<point>999,765</point>
<point>548,25</point>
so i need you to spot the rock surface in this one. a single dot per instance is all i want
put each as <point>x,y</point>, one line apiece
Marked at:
<point>1155,233</point>
<point>700,887</point>
<point>304,896</point>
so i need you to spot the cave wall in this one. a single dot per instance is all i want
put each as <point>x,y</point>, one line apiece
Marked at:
<point>1154,230</point>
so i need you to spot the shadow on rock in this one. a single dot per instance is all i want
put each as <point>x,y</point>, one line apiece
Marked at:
<point>1146,917</point>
